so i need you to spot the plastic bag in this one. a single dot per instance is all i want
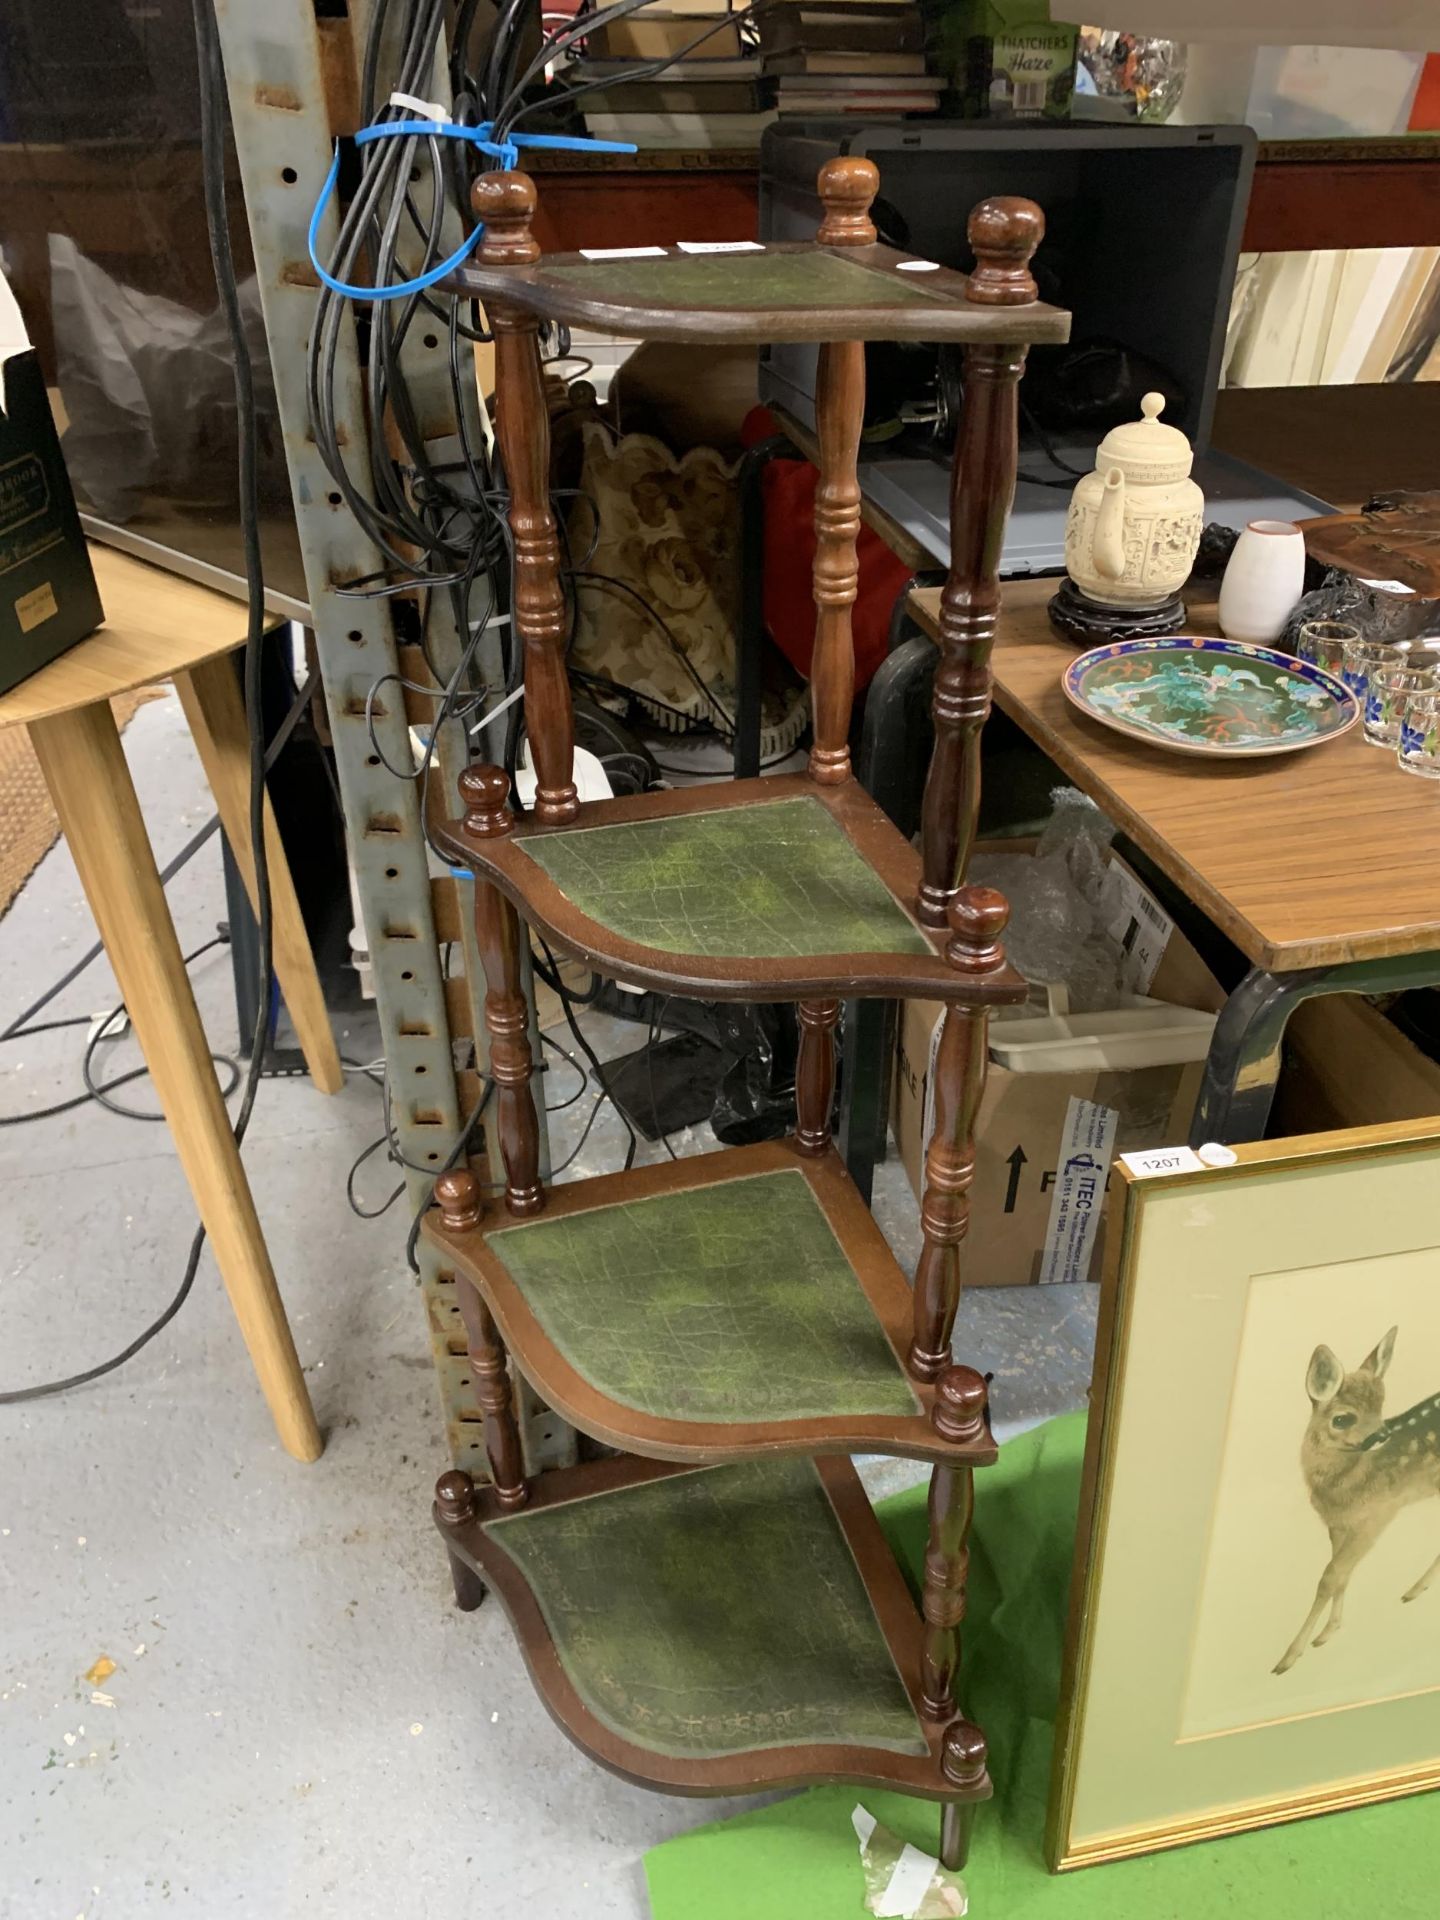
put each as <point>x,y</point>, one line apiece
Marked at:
<point>1062,902</point>
<point>148,387</point>
<point>900,1880</point>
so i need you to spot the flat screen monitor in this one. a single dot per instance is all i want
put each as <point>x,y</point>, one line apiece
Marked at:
<point>103,235</point>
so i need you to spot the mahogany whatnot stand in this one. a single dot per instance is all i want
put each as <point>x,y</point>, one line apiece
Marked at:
<point>713,1608</point>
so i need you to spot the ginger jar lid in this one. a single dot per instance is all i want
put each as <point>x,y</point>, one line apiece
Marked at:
<point>1146,451</point>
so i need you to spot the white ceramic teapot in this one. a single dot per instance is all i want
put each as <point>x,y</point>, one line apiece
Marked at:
<point>1134,523</point>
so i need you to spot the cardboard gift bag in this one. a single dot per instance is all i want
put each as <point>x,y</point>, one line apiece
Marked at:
<point>48,598</point>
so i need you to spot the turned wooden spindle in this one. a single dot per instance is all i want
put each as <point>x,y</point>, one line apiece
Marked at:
<point>963,1760</point>
<point>815,1074</point>
<point>485,796</point>
<point>1004,234</point>
<point>455,1497</point>
<point>454,1506</point>
<point>847,187</point>
<point>457,1195</point>
<point>977,917</point>
<point>459,1200</point>
<point>483,792</point>
<point>958,1415</point>
<point>506,204</point>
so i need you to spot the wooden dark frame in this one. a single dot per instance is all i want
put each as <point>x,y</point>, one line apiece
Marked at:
<point>994,314</point>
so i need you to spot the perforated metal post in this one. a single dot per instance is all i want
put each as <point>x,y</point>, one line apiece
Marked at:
<point>291,73</point>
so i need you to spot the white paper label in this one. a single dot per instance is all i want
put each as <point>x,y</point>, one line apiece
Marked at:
<point>1163,1160</point>
<point>1142,927</point>
<point>1387,586</point>
<point>13,337</point>
<point>908,1884</point>
<point>1086,1145</point>
<point>719,246</point>
<point>917,266</point>
<point>622,253</point>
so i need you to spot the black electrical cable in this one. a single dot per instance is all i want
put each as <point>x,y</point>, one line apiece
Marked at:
<point>645,70</point>
<point>100,1090</point>
<point>452,1159</point>
<point>611,583</point>
<point>22,1026</point>
<point>212,149</point>
<point>440,527</point>
<point>559,1106</point>
<point>557,986</point>
<point>590,1054</point>
<point>657,1013</point>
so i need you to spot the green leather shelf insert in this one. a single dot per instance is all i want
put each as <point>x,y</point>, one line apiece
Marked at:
<point>714,1612</point>
<point>776,881</point>
<point>731,1302</point>
<point>751,281</point>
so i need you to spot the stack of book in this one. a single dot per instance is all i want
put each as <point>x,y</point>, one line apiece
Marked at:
<point>847,57</point>
<point>709,94</point>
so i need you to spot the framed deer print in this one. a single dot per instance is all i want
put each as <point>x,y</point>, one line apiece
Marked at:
<point>1254,1626</point>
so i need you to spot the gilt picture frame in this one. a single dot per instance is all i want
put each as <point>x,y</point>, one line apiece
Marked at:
<point>1254,1623</point>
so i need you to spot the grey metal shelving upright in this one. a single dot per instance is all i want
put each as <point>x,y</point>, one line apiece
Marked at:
<point>292,76</point>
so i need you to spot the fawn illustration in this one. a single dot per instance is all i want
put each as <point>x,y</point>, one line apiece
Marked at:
<point>1361,1469</point>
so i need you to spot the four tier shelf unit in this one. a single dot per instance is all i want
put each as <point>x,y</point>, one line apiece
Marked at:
<point>712,1607</point>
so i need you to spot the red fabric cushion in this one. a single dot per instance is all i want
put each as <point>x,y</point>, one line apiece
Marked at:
<point>787,490</point>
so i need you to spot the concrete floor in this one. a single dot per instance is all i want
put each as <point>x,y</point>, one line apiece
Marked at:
<point>299,1722</point>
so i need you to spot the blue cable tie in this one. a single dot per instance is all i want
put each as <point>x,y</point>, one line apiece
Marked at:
<point>506,151</point>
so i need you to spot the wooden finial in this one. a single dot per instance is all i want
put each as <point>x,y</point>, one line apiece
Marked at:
<point>1003,234</point>
<point>506,204</point>
<point>964,1754</point>
<point>977,917</point>
<point>458,1196</point>
<point>485,795</point>
<point>959,1410</point>
<point>847,186</point>
<point>455,1497</point>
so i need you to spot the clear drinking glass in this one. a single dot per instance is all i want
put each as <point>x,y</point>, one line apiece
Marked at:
<point>1418,748</point>
<point>1324,642</point>
<point>1385,698</point>
<point>1364,659</point>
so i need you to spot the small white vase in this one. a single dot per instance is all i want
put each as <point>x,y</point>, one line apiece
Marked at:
<point>1264,577</point>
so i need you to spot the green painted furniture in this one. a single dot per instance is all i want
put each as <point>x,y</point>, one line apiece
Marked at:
<point>712,1607</point>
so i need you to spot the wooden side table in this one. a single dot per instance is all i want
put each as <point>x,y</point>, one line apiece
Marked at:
<point>157,628</point>
<point>1319,867</point>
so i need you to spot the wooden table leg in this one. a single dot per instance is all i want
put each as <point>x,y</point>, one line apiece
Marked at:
<point>84,767</point>
<point>215,711</point>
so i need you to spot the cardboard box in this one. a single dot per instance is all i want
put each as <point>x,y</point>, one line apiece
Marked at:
<point>1346,1065</point>
<point>48,598</point>
<point>1026,1221</point>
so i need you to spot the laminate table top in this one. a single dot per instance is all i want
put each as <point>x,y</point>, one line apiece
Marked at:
<point>1306,859</point>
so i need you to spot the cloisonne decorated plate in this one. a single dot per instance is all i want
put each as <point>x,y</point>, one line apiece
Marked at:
<point>1218,697</point>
